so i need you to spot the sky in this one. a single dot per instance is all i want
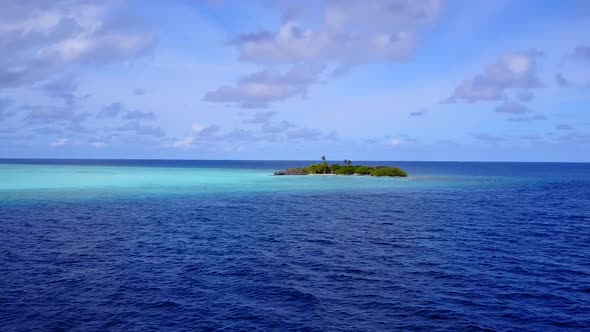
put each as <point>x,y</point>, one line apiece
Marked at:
<point>492,80</point>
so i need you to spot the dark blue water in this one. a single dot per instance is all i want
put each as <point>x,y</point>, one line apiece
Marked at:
<point>508,257</point>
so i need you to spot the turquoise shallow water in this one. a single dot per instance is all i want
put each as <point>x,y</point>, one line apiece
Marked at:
<point>60,181</point>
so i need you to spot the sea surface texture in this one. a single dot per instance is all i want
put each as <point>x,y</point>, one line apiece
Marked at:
<point>224,245</point>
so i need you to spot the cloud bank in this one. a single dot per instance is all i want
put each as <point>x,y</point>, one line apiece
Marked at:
<point>510,72</point>
<point>346,33</point>
<point>42,38</point>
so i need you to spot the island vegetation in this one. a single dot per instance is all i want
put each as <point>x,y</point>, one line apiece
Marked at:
<point>346,169</point>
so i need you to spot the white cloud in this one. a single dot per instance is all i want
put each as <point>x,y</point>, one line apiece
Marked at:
<point>488,138</point>
<point>582,52</point>
<point>259,89</point>
<point>41,38</point>
<point>515,71</point>
<point>59,142</point>
<point>347,32</point>
<point>512,108</point>
<point>566,127</point>
<point>528,118</point>
<point>197,128</point>
<point>5,111</point>
<point>184,143</point>
<point>52,114</point>
<point>199,133</point>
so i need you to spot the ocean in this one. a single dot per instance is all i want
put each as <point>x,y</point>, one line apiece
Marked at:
<point>153,245</point>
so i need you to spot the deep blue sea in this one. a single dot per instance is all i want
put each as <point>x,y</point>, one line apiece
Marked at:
<point>107,245</point>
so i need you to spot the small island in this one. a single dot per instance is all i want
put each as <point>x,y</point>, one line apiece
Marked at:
<point>346,169</point>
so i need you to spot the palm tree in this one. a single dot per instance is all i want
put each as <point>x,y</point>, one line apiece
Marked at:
<point>324,158</point>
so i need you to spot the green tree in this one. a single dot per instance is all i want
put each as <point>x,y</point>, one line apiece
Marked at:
<point>362,170</point>
<point>325,167</point>
<point>345,170</point>
<point>388,171</point>
<point>334,168</point>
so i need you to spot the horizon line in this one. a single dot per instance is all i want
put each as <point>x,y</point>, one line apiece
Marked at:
<point>306,160</point>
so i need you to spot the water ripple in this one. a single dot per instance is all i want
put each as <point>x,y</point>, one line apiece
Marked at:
<point>451,260</point>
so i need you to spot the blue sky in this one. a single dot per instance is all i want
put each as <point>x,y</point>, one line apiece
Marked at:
<point>364,80</point>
